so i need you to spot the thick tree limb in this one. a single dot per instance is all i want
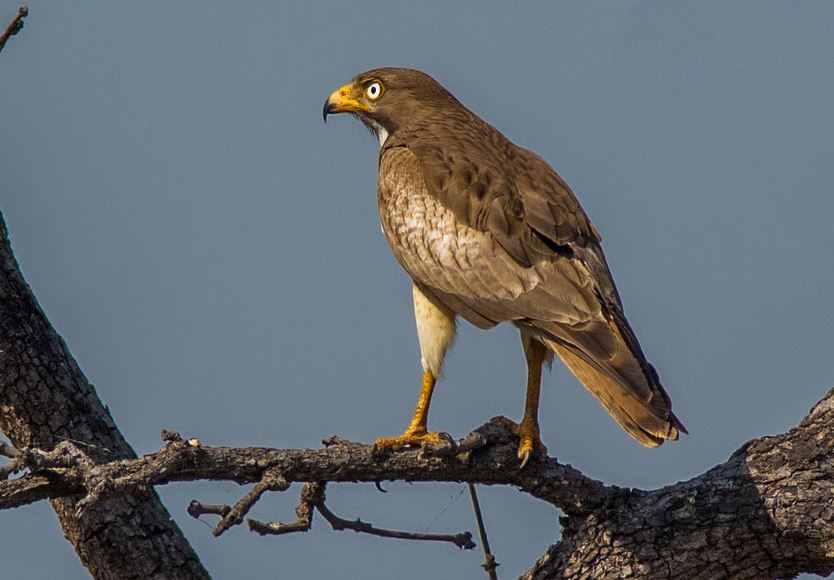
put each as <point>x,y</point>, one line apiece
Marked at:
<point>46,403</point>
<point>494,462</point>
<point>767,512</point>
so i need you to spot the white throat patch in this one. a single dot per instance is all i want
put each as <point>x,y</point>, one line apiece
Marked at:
<point>383,135</point>
<point>379,130</point>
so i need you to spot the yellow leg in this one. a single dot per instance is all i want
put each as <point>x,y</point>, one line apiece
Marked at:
<point>415,433</point>
<point>528,430</point>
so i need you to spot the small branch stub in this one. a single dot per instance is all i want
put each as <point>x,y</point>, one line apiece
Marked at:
<point>14,26</point>
<point>197,509</point>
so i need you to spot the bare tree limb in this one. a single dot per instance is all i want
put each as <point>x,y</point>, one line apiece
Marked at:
<point>14,26</point>
<point>493,463</point>
<point>766,512</point>
<point>52,415</point>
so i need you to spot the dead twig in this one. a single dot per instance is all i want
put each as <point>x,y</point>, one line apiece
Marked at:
<point>312,497</point>
<point>489,560</point>
<point>14,26</point>
<point>311,494</point>
<point>272,480</point>
<point>196,509</point>
<point>462,540</point>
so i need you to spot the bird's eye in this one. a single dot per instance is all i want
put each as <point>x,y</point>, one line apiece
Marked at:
<point>374,90</point>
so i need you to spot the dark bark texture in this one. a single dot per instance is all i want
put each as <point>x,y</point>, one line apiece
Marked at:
<point>45,400</point>
<point>768,512</point>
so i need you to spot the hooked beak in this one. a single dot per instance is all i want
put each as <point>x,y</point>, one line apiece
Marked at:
<point>341,101</point>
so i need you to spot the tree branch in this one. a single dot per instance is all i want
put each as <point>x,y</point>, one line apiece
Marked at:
<point>769,509</point>
<point>462,540</point>
<point>494,462</point>
<point>313,498</point>
<point>54,418</point>
<point>14,26</point>
<point>767,512</point>
<point>311,495</point>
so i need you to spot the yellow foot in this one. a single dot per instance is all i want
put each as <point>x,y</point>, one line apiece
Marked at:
<point>409,438</point>
<point>530,442</point>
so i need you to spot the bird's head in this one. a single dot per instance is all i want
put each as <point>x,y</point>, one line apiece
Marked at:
<point>386,99</point>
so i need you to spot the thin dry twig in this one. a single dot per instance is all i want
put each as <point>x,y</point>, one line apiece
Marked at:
<point>272,480</point>
<point>312,497</point>
<point>462,540</point>
<point>311,494</point>
<point>14,26</point>
<point>489,560</point>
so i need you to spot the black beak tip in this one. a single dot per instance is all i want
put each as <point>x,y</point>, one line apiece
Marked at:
<point>328,108</point>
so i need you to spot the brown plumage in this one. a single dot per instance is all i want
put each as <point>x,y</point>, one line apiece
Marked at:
<point>487,230</point>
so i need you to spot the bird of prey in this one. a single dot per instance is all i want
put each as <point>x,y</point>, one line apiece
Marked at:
<point>488,231</point>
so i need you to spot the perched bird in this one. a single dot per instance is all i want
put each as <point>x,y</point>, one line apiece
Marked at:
<point>488,231</point>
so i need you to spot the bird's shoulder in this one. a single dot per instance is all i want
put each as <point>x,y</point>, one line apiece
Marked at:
<point>492,185</point>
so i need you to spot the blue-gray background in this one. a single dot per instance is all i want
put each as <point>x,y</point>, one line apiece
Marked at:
<point>211,252</point>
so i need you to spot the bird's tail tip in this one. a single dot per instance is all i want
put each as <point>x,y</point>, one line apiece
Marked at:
<point>677,424</point>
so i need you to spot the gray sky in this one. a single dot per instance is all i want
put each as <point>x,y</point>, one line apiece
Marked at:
<point>211,251</point>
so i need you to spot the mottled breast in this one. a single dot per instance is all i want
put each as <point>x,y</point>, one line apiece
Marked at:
<point>466,268</point>
<point>433,247</point>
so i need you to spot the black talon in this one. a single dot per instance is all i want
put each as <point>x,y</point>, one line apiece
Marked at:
<point>450,440</point>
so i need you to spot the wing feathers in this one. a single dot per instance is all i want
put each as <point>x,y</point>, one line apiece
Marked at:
<point>530,257</point>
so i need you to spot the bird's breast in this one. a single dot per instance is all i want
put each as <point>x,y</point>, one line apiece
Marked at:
<point>433,246</point>
<point>419,228</point>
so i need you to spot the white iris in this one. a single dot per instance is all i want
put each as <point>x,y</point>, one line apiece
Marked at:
<point>373,91</point>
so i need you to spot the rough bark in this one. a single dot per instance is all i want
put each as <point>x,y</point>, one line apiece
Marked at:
<point>487,456</point>
<point>767,512</point>
<point>45,400</point>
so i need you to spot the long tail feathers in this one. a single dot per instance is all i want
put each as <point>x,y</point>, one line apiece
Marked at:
<point>629,390</point>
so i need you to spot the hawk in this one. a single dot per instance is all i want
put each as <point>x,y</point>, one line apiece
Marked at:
<point>488,231</point>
